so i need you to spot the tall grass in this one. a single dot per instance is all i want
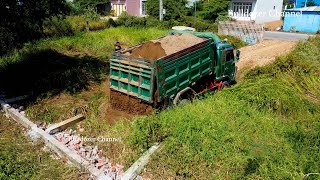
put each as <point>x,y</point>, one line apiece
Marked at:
<point>99,44</point>
<point>266,127</point>
<point>21,158</point>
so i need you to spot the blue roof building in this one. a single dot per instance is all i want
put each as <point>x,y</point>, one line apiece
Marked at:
<point>302,19</point>
<point>302,3</point>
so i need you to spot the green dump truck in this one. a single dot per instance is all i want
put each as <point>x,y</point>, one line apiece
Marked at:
<point>162,79</point>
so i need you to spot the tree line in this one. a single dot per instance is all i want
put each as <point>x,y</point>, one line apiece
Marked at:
<point>22,20</point>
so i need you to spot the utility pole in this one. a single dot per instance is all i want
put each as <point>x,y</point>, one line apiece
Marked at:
<point>160,10</point>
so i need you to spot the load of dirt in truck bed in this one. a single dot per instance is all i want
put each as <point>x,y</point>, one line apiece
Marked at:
<point>149,50</point>
<point>155,49</point>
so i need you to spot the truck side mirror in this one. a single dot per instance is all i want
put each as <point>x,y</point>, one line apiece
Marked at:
<point>237,55</point>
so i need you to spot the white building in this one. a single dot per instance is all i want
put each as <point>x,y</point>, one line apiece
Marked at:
<point>259,11</point>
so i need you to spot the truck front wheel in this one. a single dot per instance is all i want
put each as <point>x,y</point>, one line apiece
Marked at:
<point>224,84</point>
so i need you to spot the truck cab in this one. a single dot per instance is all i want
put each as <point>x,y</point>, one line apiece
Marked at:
<point>226,59</point>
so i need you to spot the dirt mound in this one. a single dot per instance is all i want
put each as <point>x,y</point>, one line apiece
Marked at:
<point>274,25</point>
<point>124,102</point>
<point>149,50</point>
<point>153,50</point>
<point>177,42</point>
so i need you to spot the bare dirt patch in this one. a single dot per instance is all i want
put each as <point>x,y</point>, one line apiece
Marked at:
<point>263,53</point>
<point>274,25</point>
<point>132,105</point>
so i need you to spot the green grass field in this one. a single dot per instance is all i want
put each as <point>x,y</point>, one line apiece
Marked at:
<point>64,76</point>
<point>265,127</point>
<point>22,159</point>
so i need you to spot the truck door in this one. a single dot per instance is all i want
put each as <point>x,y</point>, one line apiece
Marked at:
<point>228,64</point>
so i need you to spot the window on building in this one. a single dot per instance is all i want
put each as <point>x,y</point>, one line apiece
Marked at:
<point>144,7</point>
<point>242,9</point>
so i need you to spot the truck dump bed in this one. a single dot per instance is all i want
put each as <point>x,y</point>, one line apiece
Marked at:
<point>150,72</point>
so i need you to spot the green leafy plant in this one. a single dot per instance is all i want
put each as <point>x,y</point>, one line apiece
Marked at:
<point>57,26</point>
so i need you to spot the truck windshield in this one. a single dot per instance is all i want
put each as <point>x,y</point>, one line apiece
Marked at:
<point>229,55</point>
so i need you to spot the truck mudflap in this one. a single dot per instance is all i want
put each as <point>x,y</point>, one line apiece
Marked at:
<point>125,102</point>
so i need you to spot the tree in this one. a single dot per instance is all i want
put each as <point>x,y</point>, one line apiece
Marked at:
<point>22,20</point>
<point>82,6</point>
<point>175,9</point>
<point>90,3</point>
<point>213,8</point>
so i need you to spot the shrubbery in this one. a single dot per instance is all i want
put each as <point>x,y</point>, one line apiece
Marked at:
<point>6,40</point>
<point>234,41</point>
<point>198,24</point>
<point>21,22</point>
<point>57,26</point>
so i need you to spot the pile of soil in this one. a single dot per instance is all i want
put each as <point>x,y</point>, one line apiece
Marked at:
<point>149,50</point>
<point>129,104</point>
<point>153,50</point>
<point>177,42</point>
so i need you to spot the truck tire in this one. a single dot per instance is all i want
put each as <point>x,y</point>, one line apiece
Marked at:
<point>225,84</point>
<point>183,102</point>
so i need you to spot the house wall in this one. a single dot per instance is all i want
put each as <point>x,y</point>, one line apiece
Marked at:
<point>268,11</point>
<point>118,6</point>
<point>134,7</point>
<point>300,3</point>
<point>308,22</point>
<point>263,11</point>
<point>239,18</point>
<point>118,1</point>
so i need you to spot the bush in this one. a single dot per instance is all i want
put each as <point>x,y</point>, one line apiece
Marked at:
<point>57,27</point>
<point>6,40</point>
<point>234,41</point>
<point>131,21</point>
<point>111,23</point>
<point>199,24</point>
<point>97,25</point>
<point>78,23</point>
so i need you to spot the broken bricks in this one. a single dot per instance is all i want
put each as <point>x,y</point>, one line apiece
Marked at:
<point>92,154</point>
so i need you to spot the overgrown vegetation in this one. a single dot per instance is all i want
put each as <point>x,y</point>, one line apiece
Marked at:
<point>22,159</point>
<point>21,21</point>
<point>265,127</point>
<point>68,64</point>
<point>175,9</point>
<point>199,24</point>
<point>25,22</point>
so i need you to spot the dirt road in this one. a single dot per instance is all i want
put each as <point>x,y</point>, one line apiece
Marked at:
<point>263,53</point>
